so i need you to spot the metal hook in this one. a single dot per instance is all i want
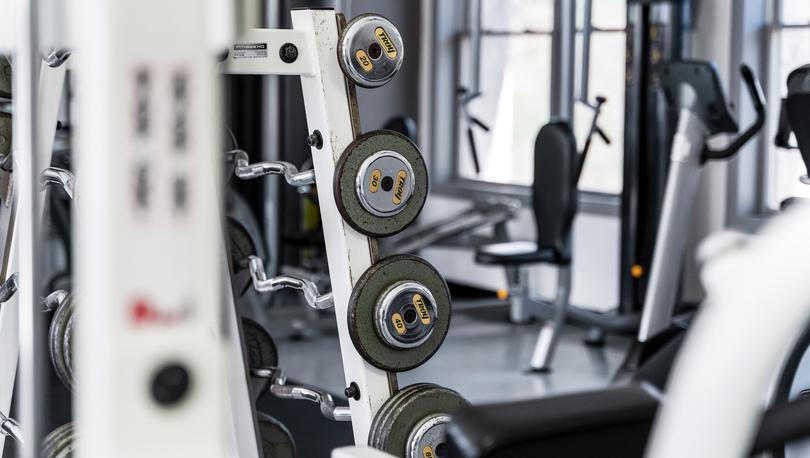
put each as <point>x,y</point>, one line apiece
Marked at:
<point>262,284</point>
<point>280,389</point>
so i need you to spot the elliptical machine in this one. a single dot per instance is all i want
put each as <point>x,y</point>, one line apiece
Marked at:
<point>694,88</point>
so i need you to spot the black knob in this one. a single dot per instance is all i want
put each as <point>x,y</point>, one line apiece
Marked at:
<point>170,384</point>
<point>288,53</point>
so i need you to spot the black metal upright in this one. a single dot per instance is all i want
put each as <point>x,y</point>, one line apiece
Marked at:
<point>655,33</point>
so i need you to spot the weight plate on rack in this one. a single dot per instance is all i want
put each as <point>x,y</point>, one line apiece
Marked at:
<point>67,345</point>
<point>399,313</point>
<point>261,352</point>
<point>59,443</point>
<point>244,240</point>
<point>413,422</point>
<point>381,183</point>
<point>277,442</point>
<point>370,51</point>
<point>59,341</point>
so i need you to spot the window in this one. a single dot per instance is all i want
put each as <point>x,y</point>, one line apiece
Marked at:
<point>601,73</point>
<point>789,48</point>
<point>515,81</point>
<point>514,90</point>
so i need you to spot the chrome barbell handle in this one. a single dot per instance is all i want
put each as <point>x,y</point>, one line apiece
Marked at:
<point>62,177</point>
<point>54,300</point>
<point>9,427</point>
<point>247,171</point>
<point>280,389</point>
<point>263,284</point>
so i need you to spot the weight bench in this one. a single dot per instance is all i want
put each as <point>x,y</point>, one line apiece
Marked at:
<point>614,422</point>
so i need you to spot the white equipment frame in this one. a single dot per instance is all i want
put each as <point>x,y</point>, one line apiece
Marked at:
<point>760,290</point>
<point>149,259</point>
<point>114,408</point>
<point>329,102</point>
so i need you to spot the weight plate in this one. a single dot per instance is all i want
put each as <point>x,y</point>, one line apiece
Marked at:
<point>381,183</point>
<point>370,51</point>
<point>383,419</point>
<point>5,133</point>
<point>412,423</point>
<point>367,298</point>
<point>5,77</point>
<point>261,352</point>
<point>67,346</point>
<point>60,322</point>
<point>277,442</point>
<point>244,240</point>
<point>59,443</point>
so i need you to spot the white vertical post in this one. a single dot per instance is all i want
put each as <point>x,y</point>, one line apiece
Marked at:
<point>9,311</point>
<point>149,263</point>
<point>25,142</point>
<point>349,254</point>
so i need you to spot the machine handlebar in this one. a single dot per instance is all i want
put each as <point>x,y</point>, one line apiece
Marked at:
<point>758,99</point>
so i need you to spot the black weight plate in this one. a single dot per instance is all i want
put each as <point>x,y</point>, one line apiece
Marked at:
<point>59,443</point>
<point>363,302</point>
<point>56,341</point>
<point>347,168</point>
<point>391,430</point>
<point>277,442</point>
<point>261,352</point>
<point>383,418</point>
<point>67,344</point>
<point>244,240</point>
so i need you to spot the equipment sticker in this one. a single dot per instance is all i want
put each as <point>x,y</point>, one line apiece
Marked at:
<point>382,37</point>
<point>399,189</point>
<point>374,185</point>
<point>250,51</point>
<point>398,323</point>
<point>365,62</point>
<point>419,303</point>
<point>427,452</point>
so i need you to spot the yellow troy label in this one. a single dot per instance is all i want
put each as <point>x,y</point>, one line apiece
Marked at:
<point>419,303</point>
<point>364,61</point>
<point>399,189</point>
<point>427,452</point>
<point>374,184</point>
<point>388,46</point>
<point>398,323</point>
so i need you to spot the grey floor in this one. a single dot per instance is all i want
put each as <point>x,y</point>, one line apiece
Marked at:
<point>484,357</point>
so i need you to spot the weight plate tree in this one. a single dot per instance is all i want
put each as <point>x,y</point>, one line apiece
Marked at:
<point>412,423</point>
<point>381,183</point>
<point>370,51</point>
<point>399,313</point>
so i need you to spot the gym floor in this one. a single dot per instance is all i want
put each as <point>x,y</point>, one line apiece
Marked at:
<point>484,358</point>
<point>491,353</point>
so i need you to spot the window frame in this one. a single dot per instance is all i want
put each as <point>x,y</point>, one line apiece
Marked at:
<point>754,30</point>
<point>774,26</point>
<point>440,116</point>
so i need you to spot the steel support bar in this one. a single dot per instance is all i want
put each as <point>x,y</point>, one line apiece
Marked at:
<point>676,218</point>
